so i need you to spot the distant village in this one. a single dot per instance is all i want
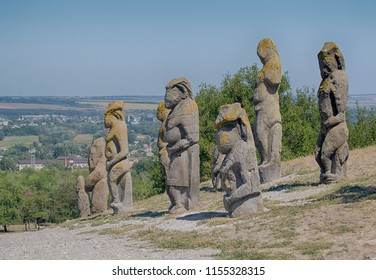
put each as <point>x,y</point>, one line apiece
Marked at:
<point>142,133</point>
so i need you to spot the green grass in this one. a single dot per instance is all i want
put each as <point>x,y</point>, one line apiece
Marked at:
<point>11,141</point>
<point>312,248</point>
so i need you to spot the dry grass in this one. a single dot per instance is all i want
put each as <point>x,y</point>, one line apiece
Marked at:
<point>336,223</point>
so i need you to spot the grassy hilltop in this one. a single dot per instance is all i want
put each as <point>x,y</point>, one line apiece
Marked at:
<point>305,220</point>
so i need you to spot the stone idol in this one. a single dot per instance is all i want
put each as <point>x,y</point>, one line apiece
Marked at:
<point>332,149</point>
<point>162,113</point>
<point>96,183</point>
<point>83,201</point>
<point>268,128</point>
<point>181,135</point>
<point>239,173</point>
<point>117,151</point>
<point>95,186</point>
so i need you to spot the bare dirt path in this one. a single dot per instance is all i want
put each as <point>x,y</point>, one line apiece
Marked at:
<point>64,244</point>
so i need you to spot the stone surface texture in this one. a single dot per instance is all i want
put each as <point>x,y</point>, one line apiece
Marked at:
<point>118,165</point>
<point>96,183</point>
<point>268,128</point>
<point>162,113</point>
<point>181,136</point>
<point>83,201</point>
<point>239,173</point>
<point>332,149</point>
<point>216,166</point>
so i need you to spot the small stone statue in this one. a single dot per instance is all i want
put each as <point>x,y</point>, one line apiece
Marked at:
<point>96,183</point>
<point>239,172</point>
<point>217,163</point>
<point>117,151</point>
<point>268,128</point>
<point>83,201</point>
<point>332,150</point>
<point>181,136</point>
<point>162,113</point>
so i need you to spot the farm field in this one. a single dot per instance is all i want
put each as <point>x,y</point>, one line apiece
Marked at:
<point>128,106</point>
<point>10,141</point>
<point>83,138</point>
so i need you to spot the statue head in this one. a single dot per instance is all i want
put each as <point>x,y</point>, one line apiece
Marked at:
<point>80,183</point>
<point>266,50</point>
<point>162,111</point>
<point>232,126</point>
<point>330,59</point>
<point>177,90</point>
<point>114,112</point>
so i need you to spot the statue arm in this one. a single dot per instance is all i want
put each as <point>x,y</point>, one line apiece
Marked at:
<point>339,90</point>
<point>122,138</point>
<point>191,132</point>
<point>273,76</point>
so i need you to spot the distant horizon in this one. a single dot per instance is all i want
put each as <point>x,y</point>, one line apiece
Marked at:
<point>88,48</point>
<point>130,95</point>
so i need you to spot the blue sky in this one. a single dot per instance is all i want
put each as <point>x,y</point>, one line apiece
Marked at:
<point>125,47</point>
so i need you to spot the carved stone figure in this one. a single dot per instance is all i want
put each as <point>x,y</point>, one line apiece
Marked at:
<point>332,150</point>
<point>96,183</point>
<point>118,165</point>
<point>239,172</point>
<point>217,163</point>
<point>268,128</point>
<point>83,201</point>
<point>181,136</point>
<point>162,113</point>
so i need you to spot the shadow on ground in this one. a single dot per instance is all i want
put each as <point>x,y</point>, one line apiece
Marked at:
<point>149,214</point>
<point>353,193</point>
<point>286,187</point>
<point>203,216</point>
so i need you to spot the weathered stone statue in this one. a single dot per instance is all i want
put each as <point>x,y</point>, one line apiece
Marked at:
<point>83,201</point>
<point>96,183</point>
<point>332,150</point>
<point>217,163</point>
<point>268,128</point>
<point>118,165</point>
<point>162,113</point>
<point>239,172</point>
<point>181,136</point>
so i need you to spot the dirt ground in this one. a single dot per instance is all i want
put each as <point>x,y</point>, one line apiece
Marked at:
<point>305,220</point>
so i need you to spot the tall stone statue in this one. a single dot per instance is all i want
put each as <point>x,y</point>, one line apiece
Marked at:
<point>83,201</point>
<point>181,136</point>
<point>216,166</point>
<point>268,128</point>
<point>117,151</point>
<point>162,113</point>
<point>239,172</point>
<point>332,150</point>
<point>96,183</point>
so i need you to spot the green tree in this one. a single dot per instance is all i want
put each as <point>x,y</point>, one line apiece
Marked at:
<point>234,88</point>
<point>10,200</point>
<point>7,164</point>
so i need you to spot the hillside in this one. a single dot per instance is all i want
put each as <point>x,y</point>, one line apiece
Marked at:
<point>305,220</point>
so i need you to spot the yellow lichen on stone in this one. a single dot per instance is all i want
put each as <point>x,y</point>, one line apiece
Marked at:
<point>162,111</point>
<point>223,139</point>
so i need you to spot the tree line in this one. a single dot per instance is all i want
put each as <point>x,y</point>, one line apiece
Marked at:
<point>299,111</point>
<point>51,194</point>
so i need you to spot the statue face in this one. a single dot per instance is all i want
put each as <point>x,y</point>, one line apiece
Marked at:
<point>108,120</point>
<point>227,136</point>
<point>330,59</point>
<point>266,50</point>
<point>327,63</point>
<point>172,97</point>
